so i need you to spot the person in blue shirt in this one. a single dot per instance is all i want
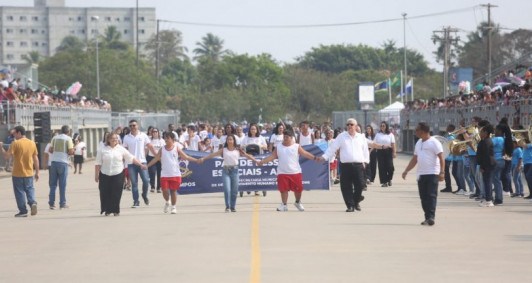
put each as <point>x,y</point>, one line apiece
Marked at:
<point>517,162</point>
<point>527,163</point>
<point>498,152</point>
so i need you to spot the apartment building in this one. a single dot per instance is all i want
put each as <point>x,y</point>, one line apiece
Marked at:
<point>42,27</point>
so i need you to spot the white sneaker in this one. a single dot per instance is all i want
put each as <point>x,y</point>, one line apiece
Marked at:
<point>282,207</point>
<point>460,192</point>
<point>486,204</point>
<point>174,209</point>
<point>166,207</point>
<point>508,194</point>
<point>467,193</point>
<point>299,206</point>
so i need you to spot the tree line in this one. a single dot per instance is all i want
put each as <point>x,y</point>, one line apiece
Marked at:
<point>217,84</point>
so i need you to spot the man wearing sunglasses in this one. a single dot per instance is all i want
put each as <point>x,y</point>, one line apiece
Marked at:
<point>136,142</point>
<point>354,154</point>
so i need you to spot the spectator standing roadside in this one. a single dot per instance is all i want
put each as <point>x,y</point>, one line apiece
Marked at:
<point>24,152</point>
<point>60,149</point>
<point>428,154</point>
<point>80,148</point>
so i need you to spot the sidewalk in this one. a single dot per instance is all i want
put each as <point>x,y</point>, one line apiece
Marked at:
<point>201,243</point>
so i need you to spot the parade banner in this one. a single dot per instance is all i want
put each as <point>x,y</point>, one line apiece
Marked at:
<point>207,177</point>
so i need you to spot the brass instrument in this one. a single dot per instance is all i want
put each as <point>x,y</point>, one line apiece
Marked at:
<point>470,129</point>
<point>457,147</point>
<point>522,136</point>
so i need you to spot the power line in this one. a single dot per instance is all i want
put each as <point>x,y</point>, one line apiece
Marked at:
<point>319,25</point>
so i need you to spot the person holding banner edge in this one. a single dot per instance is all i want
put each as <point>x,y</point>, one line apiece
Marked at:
<point>170,172</point>
<point>230,154</point>
<point>354,154</point>
<point>289,177</point>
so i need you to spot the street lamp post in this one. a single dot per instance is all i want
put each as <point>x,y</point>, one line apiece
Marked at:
<point>404,54</point>
<point>96,18</point>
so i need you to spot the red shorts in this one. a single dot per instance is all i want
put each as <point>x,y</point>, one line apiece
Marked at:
<point>333,165</point>
<point>170,183</point>
<point>290,182</point>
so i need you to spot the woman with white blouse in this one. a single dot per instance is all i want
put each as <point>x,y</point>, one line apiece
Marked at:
<point>385,154</point>
<point>109,173</point>
<point>230,154</point>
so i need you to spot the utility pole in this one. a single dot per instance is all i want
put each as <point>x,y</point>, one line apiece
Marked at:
<point>447,40</point>
<point>404,77</point>
<point>157,53</point>
<point>137,31</point>
<point>490,29</point>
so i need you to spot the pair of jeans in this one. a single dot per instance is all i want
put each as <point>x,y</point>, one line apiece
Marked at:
<point>58,174</point>
<point>448,185</point>
<point>134,172</point>
<point>428,193</point>
<point>458,174</point>
<point>154,171</point>
<point>506,176</point>
<point>487,184</point>
<point>473,174</point>
<point>497,183</point>
<point>230,181</point>
<point>518,182</point>
<point>528,177</point>
<point>23,189</point>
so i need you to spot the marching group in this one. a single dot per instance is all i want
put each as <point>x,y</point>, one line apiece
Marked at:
<point>155,158</point>
<point>491,159</point>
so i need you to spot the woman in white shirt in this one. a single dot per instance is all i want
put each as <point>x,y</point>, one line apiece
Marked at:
<point>79,154</point>
<point>230,154</point>
<point>157,143</point>
<point>254,137</point>
<point>109,173</point>
<point>385,154</point>
<point>277,137</point>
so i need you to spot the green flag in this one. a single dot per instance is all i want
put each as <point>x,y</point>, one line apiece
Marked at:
<point>396,80</point>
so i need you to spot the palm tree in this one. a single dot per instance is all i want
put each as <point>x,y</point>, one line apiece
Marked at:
<point>33,57</point>
<point>70,43</point>
<point>170,47</point>
<point>211,47</point>
<point>112,39</point>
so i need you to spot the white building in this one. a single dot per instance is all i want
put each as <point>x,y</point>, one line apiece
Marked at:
<point>42,27</point>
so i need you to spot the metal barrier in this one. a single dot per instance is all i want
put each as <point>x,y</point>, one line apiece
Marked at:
<point>518,112</point>
<point>160,120</point>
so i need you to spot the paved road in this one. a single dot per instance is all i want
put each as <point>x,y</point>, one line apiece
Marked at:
<point>383,243</point>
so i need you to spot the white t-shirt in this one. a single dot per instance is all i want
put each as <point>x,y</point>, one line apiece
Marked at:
<point>288,159</point>
<point>111,159</point>
<point>136,145</point>
<point>79,149</point>
<point>276,140</point>
<point>260,141</point>
<point>193,143</point>
<point>427,156</point>
<point>215,141</point>
<point>384,139</point>
<point>157,145</point>
<point>61,145</point>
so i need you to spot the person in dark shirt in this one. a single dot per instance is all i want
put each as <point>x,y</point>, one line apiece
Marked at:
<point>486,161</point>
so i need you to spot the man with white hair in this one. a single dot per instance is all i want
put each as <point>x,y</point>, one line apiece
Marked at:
<point>354,154</point>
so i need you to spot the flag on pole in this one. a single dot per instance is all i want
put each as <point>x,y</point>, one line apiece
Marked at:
<point>409,87</point>
<point>395,80</point>
<point>381,85</point>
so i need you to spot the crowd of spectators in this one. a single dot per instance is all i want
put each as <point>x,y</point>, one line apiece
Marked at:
<point>12,91</point>
<point>507,88</point>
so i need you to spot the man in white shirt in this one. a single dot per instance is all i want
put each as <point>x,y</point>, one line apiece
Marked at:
<point>428,153</point>
<point>354,154</point>
<point>136,142</point>
<point>305,137</point>
<point>61,147</point>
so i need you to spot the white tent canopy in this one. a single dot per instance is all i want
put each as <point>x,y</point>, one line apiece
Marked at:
<point>394,107</point>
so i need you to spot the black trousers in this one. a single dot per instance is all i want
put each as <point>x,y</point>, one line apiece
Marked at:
<point>152,171</point>
<point>110,192</point>
<point>371,169</point>
<point>352,182</point>
<point>428,193</point>
<point>385,160</point>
